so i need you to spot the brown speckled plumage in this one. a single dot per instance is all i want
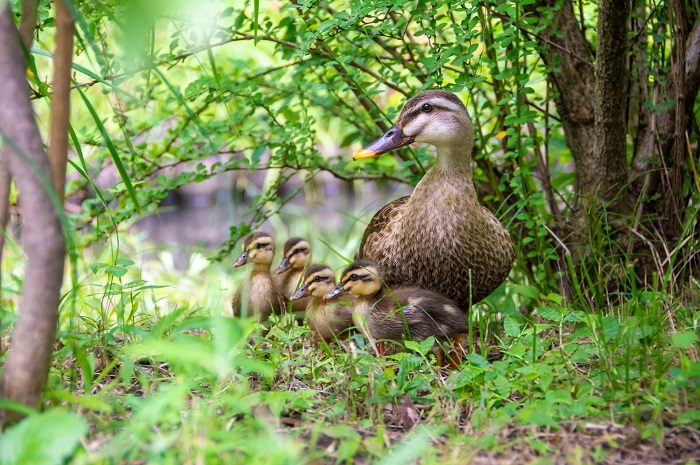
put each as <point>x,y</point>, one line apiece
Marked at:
<point>401,313</point>
<point>441,238</point>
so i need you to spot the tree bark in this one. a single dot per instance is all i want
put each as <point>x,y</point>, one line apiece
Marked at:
<point>29,10</point>
<point>660,156</point>
<point>27,361</point>
<point>610,160</point>
<point>5,181</point>
<point>60,99</point>
<point>565,50</point>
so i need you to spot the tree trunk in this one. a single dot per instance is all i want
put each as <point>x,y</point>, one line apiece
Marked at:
<point>592,109</point>
<point>5,180</point>
<point>27,361</point>
<point>610,158</point>
<point>26,32</point>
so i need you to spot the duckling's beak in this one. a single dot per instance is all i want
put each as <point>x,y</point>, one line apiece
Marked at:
<point>242,260</point>
<point>392,139</point>
<point>285,264</point>
<point>334,293</point>
<point>303,291</point>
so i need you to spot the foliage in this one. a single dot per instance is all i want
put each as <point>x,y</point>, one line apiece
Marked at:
<point>169,94</point>
<point>161,376</point>
<point>194,92</point>
<point>43,439</point>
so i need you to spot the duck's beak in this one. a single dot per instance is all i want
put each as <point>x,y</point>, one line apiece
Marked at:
<point>285,264</point>
<point>303,291</point>
<point>392,139</point>
<point>334,293</point>
<point>242,260</point>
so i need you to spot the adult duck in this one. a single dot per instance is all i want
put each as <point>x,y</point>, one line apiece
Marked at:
<point>440,237</point>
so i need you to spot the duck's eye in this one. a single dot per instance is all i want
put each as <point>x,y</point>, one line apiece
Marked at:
<point>354,277</point>
<point>259,245</point>
<point>317,278</point>
<point>426,108</point>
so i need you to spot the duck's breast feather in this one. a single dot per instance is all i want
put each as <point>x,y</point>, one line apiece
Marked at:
<point>380,228</point>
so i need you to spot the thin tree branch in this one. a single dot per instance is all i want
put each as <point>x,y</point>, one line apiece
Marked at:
<point>60,100</point>
<point>26,28</point>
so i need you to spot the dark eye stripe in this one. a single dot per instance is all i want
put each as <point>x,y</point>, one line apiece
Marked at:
<point>417,109</point>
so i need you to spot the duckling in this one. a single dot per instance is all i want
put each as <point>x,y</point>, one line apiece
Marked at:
<point>440,237</point>
<point>263,296</point>
<point>295,256</point>
<point>330,319</point>
<point>399,313</point>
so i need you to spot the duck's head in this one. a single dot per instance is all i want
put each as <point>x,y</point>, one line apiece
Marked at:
<point>295,254</point>
<point>435,117</point>
<point>258,248</point>
<point>361,278</point>
<point>319,280</point>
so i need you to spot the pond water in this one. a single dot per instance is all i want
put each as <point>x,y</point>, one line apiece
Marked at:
<point>199,216</point>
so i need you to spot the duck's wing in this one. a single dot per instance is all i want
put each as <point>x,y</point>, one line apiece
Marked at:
<point>380,228</point>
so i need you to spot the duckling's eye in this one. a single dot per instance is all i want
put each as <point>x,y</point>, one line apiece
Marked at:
<point>426,108</point>
<point>317,278</point>
<point>259,245</point>
<point>354,277</point>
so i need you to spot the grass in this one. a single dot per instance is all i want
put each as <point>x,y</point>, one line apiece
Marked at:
<point>149,368</point>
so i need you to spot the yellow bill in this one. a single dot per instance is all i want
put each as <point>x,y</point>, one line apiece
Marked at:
<point>364,153</point>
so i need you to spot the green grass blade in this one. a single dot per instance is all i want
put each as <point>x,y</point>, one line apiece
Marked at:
<point>112,150</point>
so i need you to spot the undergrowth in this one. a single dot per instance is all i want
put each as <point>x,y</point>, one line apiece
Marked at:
<point>148,373</point>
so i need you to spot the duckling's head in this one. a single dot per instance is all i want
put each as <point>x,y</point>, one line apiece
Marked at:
<point>318,281</point>
<point>258,248</point>
<point>360,278</point>
<point>435,117</point>
<point>295,253</point>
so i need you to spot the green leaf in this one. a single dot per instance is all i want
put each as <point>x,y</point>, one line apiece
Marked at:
<point>124,262</point>
<point>511,326</point>
<point>117,271</point>
<point>611,327</point>
<point>426,345</point>
<point>422,347</point>
<point>531,292</point>
<point>549,313</point>
<point>44,439</point>
<point>683,340</point>
<point>691,417</point>
<point>559,396</point>
<point>95,267</point>
<point>478,360</point>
